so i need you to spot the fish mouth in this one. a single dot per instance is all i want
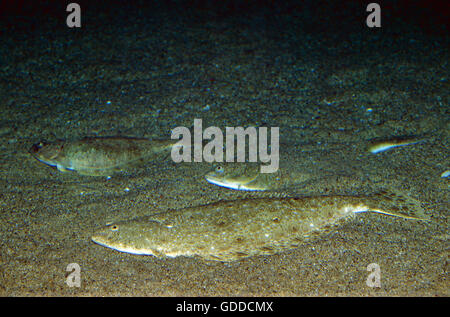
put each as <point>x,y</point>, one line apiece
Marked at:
<point>36,150</point>
<point>211,176</point>
<point>243,184</point>
<point>231,185</point>
<point>100,240</point>
<point>220,182</point>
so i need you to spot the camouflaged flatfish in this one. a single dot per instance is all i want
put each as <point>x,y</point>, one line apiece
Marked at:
<point>248,176</point>
<point>232,230</point>
<point>383,144</point>
<point>99,156</point>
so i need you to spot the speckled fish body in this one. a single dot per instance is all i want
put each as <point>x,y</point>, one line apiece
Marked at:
<point>232,230</point>
<point>247,176</point>
<point>99,156</point>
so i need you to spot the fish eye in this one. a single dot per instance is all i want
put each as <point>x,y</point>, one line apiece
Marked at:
<point>39,145</point>
<point>114,227</point>
<point>219,169</point>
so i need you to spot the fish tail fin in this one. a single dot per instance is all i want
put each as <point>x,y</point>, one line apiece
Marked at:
<point>397,204</point>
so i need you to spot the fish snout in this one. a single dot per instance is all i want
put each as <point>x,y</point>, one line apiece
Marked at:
<point>36,147</point>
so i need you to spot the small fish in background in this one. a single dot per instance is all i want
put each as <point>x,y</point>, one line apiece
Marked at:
<point>233,230</point>
<point>247,176</point>
<point>379,145</point>
<point>239,176</point>
<point>99,156</point>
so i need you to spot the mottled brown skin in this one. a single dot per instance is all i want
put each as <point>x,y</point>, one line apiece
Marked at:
<point>248,176</point>
<point>99,156</point>
<point>231,230</point>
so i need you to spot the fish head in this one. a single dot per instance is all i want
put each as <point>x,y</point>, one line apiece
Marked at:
<point>47,152</point>
<point>240,176</point>
<point>143,237</point>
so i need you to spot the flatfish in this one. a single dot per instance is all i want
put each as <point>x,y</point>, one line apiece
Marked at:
<point>247,176</point>
<point>99,156</point>
<point>232,230</point>
<point>378,145</point>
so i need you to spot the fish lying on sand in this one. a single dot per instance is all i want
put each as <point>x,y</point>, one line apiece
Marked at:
<point>232,230</point>
<point>99,156</point>
<point>247,176</point>
<point>379,145</point>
